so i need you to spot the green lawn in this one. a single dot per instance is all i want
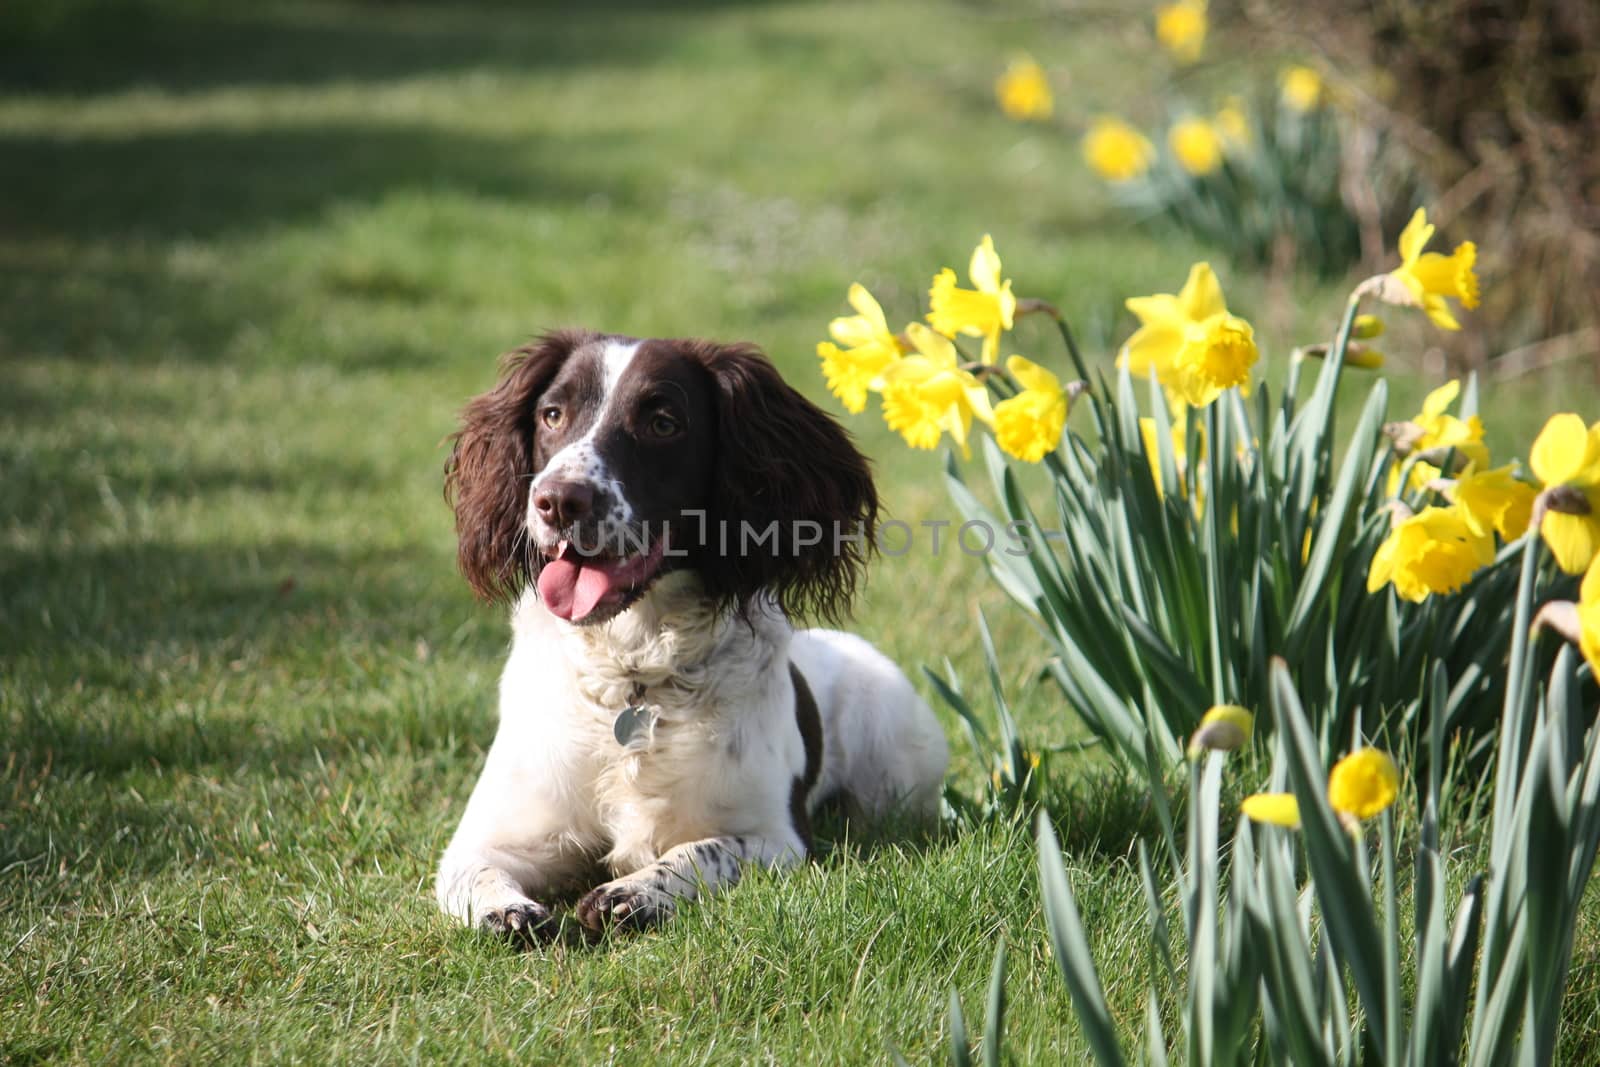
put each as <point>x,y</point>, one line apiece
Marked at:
<point>251,264</point>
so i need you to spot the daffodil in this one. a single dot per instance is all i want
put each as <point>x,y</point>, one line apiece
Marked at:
<point>1360,786</point>
<point>927,394</point>
<point>1364,783</point>
<point>983,312</point>
<point>1434,551</point>
<point>1116,151</point>
<point>1279,809</point>
<point>1181,29</point>
<point>1566,460</point>
<point>1191,342</point>
<point>1426,279</point>
<point>1300,87</point>
<point>1196,145</point>
<point>1023,91</point>
<point>1029,424</point>
<point>1495,500</point>
<point>1232,124</point>
<point>1437,433</point>
<point>1223,728</point>
<point>1589,616</point>
<point>870,347</point>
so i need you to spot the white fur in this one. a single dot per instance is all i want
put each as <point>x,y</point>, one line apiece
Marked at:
<point>676,810</point>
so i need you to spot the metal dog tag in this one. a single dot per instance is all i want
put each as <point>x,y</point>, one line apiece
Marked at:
<point>632,723</point>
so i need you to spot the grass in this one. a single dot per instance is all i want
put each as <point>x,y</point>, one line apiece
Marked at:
<point>252,260</point>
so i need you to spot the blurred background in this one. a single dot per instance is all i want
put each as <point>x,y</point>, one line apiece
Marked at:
<point>255,256</point>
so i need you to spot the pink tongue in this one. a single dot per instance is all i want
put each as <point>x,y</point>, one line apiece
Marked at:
<point>571,588</point>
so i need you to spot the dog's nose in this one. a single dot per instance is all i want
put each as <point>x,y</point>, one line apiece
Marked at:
<point>562,503</point>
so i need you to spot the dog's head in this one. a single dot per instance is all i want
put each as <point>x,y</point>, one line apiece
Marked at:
<point>598,463</point>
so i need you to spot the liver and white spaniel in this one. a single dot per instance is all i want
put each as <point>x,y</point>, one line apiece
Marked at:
<point>656,510</point>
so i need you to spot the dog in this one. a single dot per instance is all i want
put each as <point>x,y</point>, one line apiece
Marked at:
<point>656,511</point>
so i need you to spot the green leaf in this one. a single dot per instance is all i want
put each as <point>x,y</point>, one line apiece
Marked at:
<point>1328,540</point>
<point>995,1019</point>
<point>1201,910</point>
<point>1345,896</point>
<point>960,1050</point>
<point>1072,951</point>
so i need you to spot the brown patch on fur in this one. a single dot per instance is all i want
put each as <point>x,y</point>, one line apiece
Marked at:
<point>780,458</point>
<point>810,723</point>
<point>491,464</point>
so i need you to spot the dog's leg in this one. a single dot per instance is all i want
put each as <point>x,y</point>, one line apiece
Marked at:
<point>650,894</point>
<point>488,888</point>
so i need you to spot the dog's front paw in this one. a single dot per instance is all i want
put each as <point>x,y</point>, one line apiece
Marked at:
<point>625,904</point>
<point>524,923</point>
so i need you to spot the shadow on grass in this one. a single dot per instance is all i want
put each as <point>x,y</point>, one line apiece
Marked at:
<point>97,46</point>
<point>205,182</point>
<point>94,225</point>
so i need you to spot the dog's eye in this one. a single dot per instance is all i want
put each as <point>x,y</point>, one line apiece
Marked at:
<point>551,417</point>
<point>663,425</point>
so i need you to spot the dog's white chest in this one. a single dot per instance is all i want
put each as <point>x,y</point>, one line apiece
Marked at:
<point>665,777</point>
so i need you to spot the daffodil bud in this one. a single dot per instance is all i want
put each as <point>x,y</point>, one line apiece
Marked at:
<point>1404,436</point>
<point>1566,499</point>
<point>1364,356</point>
<point>1367,327</point>
<point>1440,455</point>
<point>1222,729</point>
<point>1560,616</point>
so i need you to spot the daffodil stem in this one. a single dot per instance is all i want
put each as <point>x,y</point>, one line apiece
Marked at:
<point>1341,340</point>
<point>1327,389</point>
<point>1392,1045</point>
<point>1082,368</point>
<point>1072,345</point>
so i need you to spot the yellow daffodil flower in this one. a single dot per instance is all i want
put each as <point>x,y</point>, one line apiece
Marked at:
<point>982,312</point>
<point>1566,460</point>
<point>1116,151</point>
<point>1023,92</point>
<point>1425,279</point>
<point>1364,783</point>
<point>1181,29</point>
<point>1360,786</point>
<point>1589,616</point>
<point>1434,551</point>
<point>1279,809</point>
<point>1495,500</point>
<point>927,394</point>
<point>1029,424</point>
<point>1301,88</point>
<point>1233,124</point>
<point>1435,431</point>
<point>1223,728</point>
<point>870,347</point>
<point>1196,145</point>
<point>1191,342</point>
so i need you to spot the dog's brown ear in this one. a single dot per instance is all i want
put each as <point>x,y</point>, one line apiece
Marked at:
<point>783,465</point>
<point>490,467</point>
